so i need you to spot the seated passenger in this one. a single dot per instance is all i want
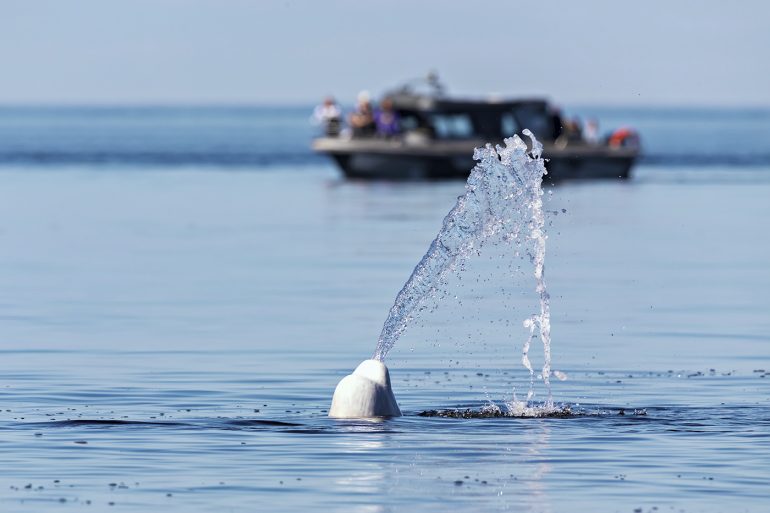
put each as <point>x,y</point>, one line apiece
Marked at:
<point>386,119</point>
<point>591,131</point>
<point>329,116</point>
<point>557,125</point>
<point>623,138</point>
<point>362,119</point>
<point>574,130</point>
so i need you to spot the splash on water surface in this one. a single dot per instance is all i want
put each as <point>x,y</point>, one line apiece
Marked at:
<point>521,410</point>
<point>502,199</point>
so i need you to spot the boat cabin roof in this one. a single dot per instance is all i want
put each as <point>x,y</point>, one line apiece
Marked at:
<point>457,118</point>
<point>429,103</point>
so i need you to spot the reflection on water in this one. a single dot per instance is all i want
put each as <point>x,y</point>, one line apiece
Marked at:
<point>536,445</point>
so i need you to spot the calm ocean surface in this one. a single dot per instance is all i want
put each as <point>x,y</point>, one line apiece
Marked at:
<point>181,290</point>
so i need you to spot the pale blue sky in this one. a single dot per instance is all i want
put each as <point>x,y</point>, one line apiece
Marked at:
<point>249,51</point>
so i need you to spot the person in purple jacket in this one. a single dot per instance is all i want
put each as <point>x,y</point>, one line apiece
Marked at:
<point>386,119</point>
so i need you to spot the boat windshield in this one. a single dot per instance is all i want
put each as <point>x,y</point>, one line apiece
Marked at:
<point>534,117</point>
<point>452,125</point>
<point>473,121</point>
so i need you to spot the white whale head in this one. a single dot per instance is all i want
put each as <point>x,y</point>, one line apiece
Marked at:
<point>365,393</point>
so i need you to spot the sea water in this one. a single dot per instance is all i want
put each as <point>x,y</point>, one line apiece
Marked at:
<point>171,331</point>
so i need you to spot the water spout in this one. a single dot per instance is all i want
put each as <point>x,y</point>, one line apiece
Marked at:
<point>503,196</point>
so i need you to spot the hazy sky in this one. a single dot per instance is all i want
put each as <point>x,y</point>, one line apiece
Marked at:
<point>236,51</point>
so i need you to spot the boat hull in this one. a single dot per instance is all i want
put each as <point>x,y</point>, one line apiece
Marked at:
<point>393,162</point>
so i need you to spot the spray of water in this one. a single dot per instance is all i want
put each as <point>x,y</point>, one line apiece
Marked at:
<point>503,198</point>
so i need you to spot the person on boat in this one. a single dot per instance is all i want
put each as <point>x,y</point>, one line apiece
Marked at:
<point>571,132</point>
<point>329,116</point>
<point>591,131</point>
<point>623,137</point>
<point>557,124</point>
<point>386,119</point>
<point>362,119</point>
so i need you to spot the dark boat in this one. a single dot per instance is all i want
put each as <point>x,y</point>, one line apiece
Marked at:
<point>437,135</point>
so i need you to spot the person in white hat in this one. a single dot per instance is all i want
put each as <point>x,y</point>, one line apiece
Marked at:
<point>362,119</point>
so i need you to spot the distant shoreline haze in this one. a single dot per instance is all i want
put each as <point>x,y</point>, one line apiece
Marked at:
<point>253,136</point>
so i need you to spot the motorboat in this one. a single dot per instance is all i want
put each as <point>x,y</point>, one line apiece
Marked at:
<point>436,136</point>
